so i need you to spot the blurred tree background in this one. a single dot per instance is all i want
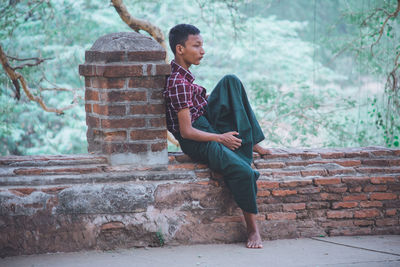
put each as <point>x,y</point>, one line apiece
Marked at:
<point>319,73</point>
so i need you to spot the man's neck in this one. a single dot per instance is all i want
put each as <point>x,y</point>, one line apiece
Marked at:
<point>182,63</point>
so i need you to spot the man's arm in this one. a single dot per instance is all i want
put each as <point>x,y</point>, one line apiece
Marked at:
<point>188,132</point>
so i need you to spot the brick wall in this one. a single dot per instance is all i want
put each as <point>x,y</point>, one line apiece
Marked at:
<point>124,77</point>
<point>70,203</point>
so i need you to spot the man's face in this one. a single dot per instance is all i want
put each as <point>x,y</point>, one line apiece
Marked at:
<point>193,50</point>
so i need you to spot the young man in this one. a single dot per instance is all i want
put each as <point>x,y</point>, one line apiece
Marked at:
<point>220,130</point>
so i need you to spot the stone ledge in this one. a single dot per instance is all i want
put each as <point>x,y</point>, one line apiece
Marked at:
<point>121,207</point>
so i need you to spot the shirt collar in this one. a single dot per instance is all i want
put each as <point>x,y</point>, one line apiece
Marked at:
<point>185,73</point>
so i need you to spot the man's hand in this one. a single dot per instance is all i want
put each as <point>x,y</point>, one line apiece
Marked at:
<point>229,140</point>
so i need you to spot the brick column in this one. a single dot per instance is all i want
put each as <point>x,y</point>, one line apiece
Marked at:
<point>125,114</point>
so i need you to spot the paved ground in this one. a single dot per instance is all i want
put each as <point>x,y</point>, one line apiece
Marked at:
<point>355,251</point>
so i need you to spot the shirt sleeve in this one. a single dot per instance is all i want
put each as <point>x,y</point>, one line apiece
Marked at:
<point>180,96</point>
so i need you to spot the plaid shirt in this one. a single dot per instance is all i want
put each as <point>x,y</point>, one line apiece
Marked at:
<point>180,93</point>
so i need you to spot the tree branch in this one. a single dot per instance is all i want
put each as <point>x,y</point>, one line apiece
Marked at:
<point>392,15</point>
<point>18,80</point>
<point>138,24</point>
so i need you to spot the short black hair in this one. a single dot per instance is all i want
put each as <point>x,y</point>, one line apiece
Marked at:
<point>179,35</point>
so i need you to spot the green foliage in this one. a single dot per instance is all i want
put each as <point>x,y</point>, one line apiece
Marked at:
<point>306,65</point>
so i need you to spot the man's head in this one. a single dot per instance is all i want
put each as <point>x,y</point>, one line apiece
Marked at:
<point>187,44</point>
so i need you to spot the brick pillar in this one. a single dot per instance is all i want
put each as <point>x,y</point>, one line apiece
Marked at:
<point>125,114</point>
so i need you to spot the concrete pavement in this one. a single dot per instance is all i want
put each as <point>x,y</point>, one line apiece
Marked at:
<point>354,251</point>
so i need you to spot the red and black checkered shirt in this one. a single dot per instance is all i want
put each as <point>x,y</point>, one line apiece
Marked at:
<point>180,92</point>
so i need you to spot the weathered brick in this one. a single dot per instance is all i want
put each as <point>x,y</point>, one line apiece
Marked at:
<point>160,146</point>
<point>91,95</point>
<point>115,136</point>
<point>375,162</point>
<point>381,152</point>
<point>337,223</point>
<point>184,166</point>
<point>147,109</point>
<point>227,219</point>
<point>348,163</point>
<point>88,108</point>
<point>147,82</point>
<point>387,221</point>
<point>325,181</point>
<point>183,158</point>
<point>368,204</point>
<point>356,154</point>
<point>340,188</point>
<point>332,155</point>
<point>317,205</point>
<point>163,69</point>
<point>119,70</point>
<point>363,222</point>
<point>110,148</point>
<point>123,123</point>
<point>308,190</point>
<point>92,121</point>
<point>382,180</point>
<point>270,207</point>
<point>156,95</point>
<point>355,197</point>
<point>356,181</point>
<point>51,190</point>
<point>275,156</point>
<point>295,183</point>
<point>374,188</point>
<point>383,196</point>
<point>294,206</point>
<point>153,55</point>
<point>350,231</point>
<point>108,83</point>
<point>121,96</point>
<point>345,205</point>
<point>263,193</point>
<point>354,189</point>
<point>295,198</point>
<point>203,174</point>
<point>119,110</point>
<point>327,196</point>
<point>25,190</point>
<point>281,216</point>
<point>157,122</point>
<point>112,226</point>
<point>339,214</point>
<point>390,212</point>
<point>341,171</point>
<point>148,134</point>
<point>104,56</point>
<point>267,184</point>
<point>281,193</point>
<point>314,172</point>
<point>279,174</point>
<point>88,82</point>
<point>366,213</point>
<point>270,165</point>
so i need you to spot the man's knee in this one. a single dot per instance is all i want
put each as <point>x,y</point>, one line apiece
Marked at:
<point>231,77</point>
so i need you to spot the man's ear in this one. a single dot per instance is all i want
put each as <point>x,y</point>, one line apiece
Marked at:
<point>179,49</point>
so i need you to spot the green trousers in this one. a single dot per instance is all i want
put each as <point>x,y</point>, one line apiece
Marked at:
<point>228,109</point>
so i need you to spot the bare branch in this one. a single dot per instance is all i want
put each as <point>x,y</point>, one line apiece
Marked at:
<point>138,24</point>
<point>392,15</point>
<point>18,80</point>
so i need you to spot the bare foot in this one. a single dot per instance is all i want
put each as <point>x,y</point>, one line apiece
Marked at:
<point>254,240</point>
<point>253,235</point>
<point>261,150</point>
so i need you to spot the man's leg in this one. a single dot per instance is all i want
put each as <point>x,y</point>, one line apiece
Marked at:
<point>229,109</point>
<point>253,235</point>
<point>238,175</point>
